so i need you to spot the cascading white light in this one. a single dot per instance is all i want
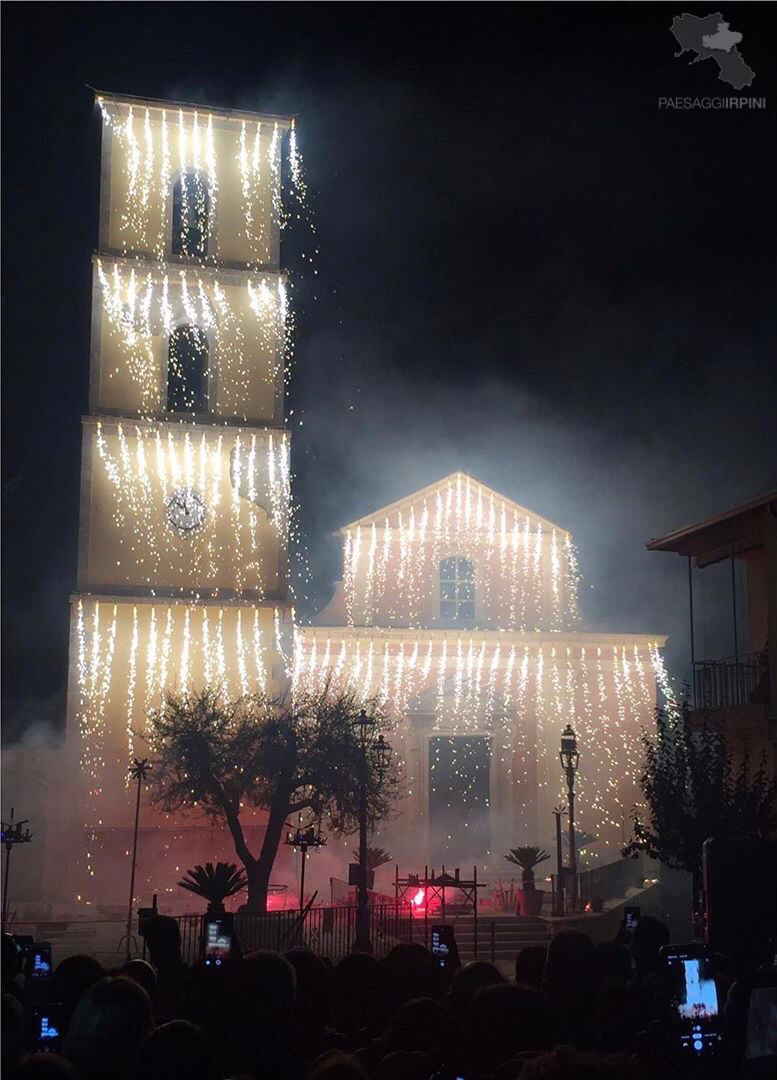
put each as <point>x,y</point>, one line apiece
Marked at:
<point>665,684</point>
<point>149,174</point>
<point>242,321</point>
<point>131,633</point>
<point>171,518</point>
<point>391,571</point>
<point>477,685</point>
<point>186,506</point>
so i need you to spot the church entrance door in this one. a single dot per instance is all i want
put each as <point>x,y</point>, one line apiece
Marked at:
<point>459,800</point>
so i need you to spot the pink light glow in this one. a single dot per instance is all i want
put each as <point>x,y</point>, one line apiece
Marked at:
<point>418,898</point>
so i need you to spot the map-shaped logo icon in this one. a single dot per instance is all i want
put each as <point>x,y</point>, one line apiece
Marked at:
<point>711,38</point>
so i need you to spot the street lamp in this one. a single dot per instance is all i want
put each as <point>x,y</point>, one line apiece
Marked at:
<point>558,812</point>
<point>304,839</point>
<point>382,754</point>
<point>12,833</point>
<point>138,771</point>
<point>569,757</point>
<point>375,754</point>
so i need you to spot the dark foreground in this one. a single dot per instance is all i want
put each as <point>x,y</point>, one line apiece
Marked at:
<point>572,1010</point>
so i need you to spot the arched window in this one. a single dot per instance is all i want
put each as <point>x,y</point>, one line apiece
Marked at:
<point>191,214</point>
<point>187,370</point>
<point>457,590</point>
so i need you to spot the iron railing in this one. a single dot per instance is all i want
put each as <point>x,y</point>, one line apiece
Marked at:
<point>594,886</point>
<point>740,680</point>
<point>610,881</point>
<point>328,931</point>
<point>341,894</point>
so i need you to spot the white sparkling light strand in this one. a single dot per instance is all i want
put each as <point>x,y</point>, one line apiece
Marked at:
<point>241,656</point>
<point>131,686</point>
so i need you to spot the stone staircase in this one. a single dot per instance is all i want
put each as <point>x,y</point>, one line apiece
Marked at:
<point>499,938</point>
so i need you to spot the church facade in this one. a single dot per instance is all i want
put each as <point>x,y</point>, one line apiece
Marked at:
<point>457,610</point>
<point>457,607</point>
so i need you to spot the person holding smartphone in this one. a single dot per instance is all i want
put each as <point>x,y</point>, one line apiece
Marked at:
<point>48,1029</point>
<point>11,961</point>
<point>751,1024</point>
<point>39,964</point>
<point>649,936</point>
<point>163,938</point>
<point>689,982</point>
<point>218,935</point>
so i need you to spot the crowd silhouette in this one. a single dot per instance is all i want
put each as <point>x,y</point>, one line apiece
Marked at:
<point>572,1010</point>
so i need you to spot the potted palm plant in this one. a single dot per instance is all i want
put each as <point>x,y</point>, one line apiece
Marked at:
<point>376,856</point>
<point>214,883</point>
<point>529,899</point>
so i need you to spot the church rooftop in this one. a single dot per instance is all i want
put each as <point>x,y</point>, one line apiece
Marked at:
<point>379,516</point>
<point>160,104</point>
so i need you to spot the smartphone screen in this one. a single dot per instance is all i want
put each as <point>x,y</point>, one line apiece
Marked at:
<point>40,960</point>
<point>47,1029</point>
<point>25,944</point>
<point>218,939</point>
<point>442,944</point>
<point>694,996</point>
<point>761,1039</point>
<point>630,917</point>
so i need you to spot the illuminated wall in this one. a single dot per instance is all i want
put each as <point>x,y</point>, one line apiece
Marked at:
<point>242,315</point>
<point>516,670</point>
<point>518,689</point>
<point>130,536</point>
<point>524,567</point>
<point>185,493</point>
<point>146,146</point>
<point>128,652</point>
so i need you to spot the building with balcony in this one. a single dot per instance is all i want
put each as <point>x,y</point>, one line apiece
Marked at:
<point>738,689</point>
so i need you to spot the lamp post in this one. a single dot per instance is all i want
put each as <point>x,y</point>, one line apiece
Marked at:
<point>138,771</point>
<point>570,760</point>
<point>557,812</point>
<point>13,832</point>
<point>304,839</point>
<point>375,753</point>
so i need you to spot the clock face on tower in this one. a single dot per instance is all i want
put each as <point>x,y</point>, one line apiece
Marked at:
<point>185,511</point>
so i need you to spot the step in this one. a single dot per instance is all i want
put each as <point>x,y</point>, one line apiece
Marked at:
<point>499,937</point>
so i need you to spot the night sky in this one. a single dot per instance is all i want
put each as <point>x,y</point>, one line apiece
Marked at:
<point>527,271</point>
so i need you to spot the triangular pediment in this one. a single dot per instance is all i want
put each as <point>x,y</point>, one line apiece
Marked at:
<point>457,485</point>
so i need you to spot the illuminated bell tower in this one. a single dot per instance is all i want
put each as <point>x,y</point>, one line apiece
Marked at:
<point>184,521</point>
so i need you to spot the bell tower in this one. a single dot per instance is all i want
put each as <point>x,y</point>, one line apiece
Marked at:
<point>185,482</point>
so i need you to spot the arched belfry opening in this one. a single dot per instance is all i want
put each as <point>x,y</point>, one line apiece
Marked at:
<point>187,370</point>
<point>191,214</point>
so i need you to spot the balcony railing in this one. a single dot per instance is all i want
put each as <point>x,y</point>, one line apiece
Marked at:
<point>741,680</point>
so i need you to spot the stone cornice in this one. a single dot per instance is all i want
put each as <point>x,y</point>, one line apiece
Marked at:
<point>533,638</point>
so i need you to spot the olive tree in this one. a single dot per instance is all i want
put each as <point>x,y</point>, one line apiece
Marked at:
<point>301,755</point>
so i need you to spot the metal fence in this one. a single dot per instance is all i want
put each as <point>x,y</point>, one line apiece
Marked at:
<point>608,882</point>
<point>329,931</point>
<point>730,681</point>
<point>611,880</point>
<point>341,894</point>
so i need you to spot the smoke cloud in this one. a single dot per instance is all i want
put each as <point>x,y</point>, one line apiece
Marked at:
<point>524,271</point>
